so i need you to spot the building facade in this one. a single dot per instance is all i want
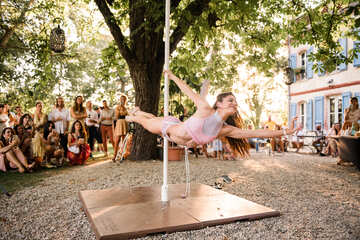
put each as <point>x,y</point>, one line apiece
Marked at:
<point>320,98</point>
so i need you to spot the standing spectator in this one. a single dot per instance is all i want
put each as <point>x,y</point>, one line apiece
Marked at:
<point>60,116</point>
<point>106,128</point>
<point>78,112</point>
<point>78,149</point>
<point>277,143</point>
<point>40,120</point>
<point>10,114</point>
<point>9,151</point>
<point>98,137</point>
<point>4,118</point>
<point>18,115</point>
<point>298,139</point>
<point>121,126</point>
<point>90,122</point>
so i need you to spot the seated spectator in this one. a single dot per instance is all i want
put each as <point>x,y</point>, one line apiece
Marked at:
<point>332,148</point>
<point>318,143</point>
<point>78,149</point>
<point>54,153</point>
<point>277,142</point>
<point>298,139</point>
<point>27,122</point>
<point>10,154</point>
<point>25,139</point>
<point>352,113</point>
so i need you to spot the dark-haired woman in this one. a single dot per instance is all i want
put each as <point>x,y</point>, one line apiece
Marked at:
<point>10,153</point>
<point>27,122</point>
<point>78,112</point>
<point>54,151</point>
<point>25,140</point>
<point>208,123</point>
<point>78,149</point>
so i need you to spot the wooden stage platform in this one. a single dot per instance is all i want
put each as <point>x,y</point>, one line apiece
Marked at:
<point>122,213</point>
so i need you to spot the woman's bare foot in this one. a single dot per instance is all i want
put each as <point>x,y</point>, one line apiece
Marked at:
<point>129,118</point>
<point>21,170</point>
<point>30,166</point>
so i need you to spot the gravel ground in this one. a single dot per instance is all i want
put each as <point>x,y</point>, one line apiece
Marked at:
<point>317,198</point>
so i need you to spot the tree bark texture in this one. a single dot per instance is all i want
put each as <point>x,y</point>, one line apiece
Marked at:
<point>144,54</point>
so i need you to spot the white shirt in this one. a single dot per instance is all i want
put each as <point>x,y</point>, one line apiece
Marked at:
<point>297,136</point>
<point>109,113</point>
<point>91,114</point>
<point>61,124</point>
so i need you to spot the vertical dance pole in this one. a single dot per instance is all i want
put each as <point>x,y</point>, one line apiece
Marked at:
<point>164,188</point>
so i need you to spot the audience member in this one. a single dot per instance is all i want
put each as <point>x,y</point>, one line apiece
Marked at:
<point>90,122</point>
<point>60,116</point>
<point>332,148</point>
<point>277,143</point>
<point>352,113</point>
<point>319,140</point>
<point>27,122</point>
<point>10,114</point>
<point>297,138</point>
<point>4,118</point>
<point>78,149</point>
<point>25,141</point>
<point>98,137</point>
<point>54,152</point>
<point>10,153</point>
<point>78,112</point>
<point>106,128</point>
<point>18,115</point>
<point>121,126</point>
<point>40,120</point>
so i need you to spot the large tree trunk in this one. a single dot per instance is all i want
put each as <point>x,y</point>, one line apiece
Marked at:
<point>147,87</point>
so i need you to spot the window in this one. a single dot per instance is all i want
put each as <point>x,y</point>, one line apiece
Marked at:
<point>335,110</point>
<point>302,113</point>
<point>303,66</point>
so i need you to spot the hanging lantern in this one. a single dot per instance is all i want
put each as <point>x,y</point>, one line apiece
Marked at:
<point>57,40</point>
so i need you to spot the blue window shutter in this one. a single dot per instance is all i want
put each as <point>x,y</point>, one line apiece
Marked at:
<point>319,111</point>
<point>357,56</point>
<point>309,120</point>
<point>292,64</point>
<point>292,111</point>
<point>345,101</point>
<point>343,43</point>
<point>309,64</point>
<point>321,71</point>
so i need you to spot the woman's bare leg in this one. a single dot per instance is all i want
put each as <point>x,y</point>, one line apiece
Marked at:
<point>12,158</point>
<point>137,112</point>
<point>153,124</point>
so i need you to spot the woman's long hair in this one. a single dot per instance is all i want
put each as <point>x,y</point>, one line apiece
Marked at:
<point>82,131</point>
<point>2,139</point>
<point>240,146</point>
<point>46,128</point>
<point>22,118</point>
<point>78,107</point>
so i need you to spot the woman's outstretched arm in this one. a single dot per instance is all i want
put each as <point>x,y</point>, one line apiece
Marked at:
<point>234,132</point>
<point>195,97</point>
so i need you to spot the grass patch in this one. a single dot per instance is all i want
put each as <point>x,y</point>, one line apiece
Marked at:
<point>14,181</point>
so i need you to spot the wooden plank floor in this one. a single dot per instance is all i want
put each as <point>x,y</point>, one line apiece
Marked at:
<point>122,213</point>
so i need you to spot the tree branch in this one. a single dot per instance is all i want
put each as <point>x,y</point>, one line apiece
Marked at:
<point>195,9</point>
<point>9,32</point>
<point>114,29</point>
